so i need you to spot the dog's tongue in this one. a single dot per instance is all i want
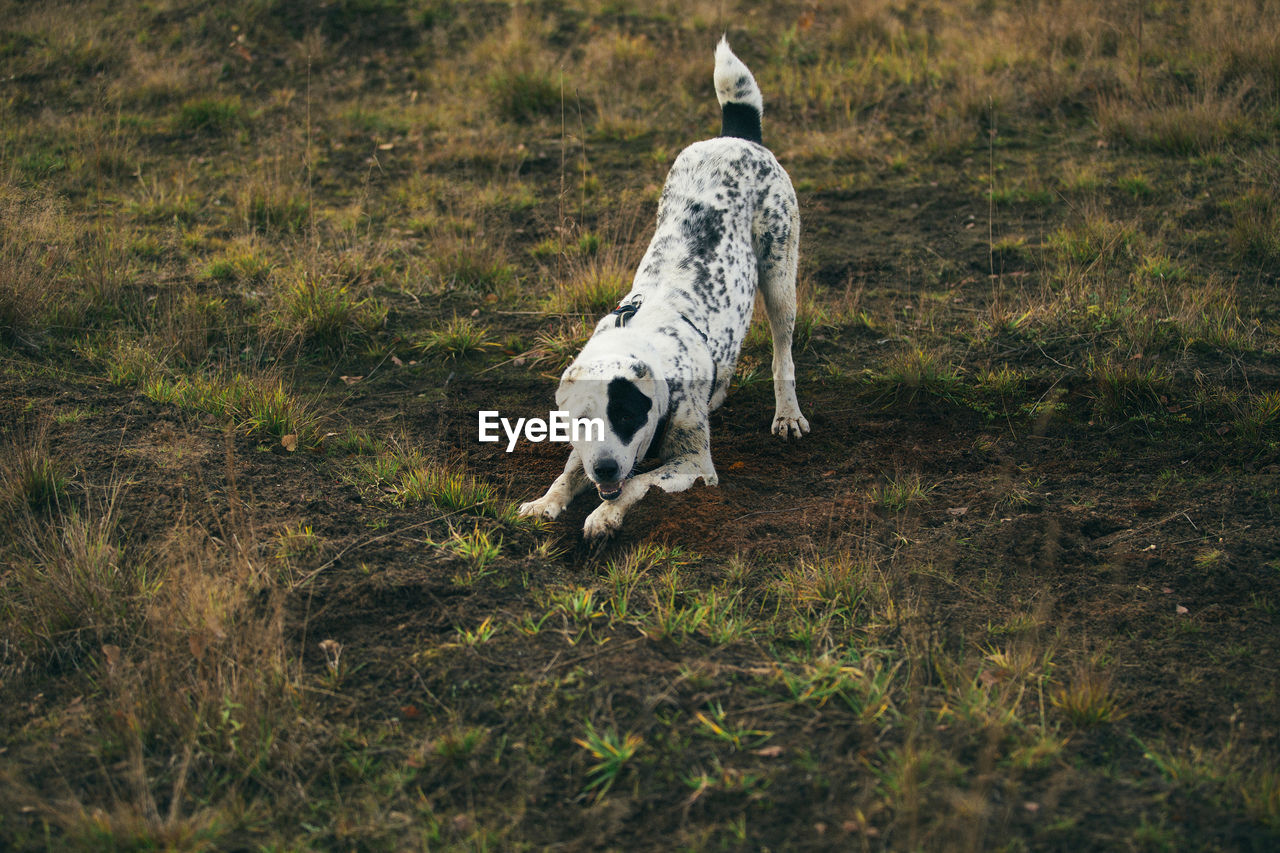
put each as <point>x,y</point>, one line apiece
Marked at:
<point>610,491</point>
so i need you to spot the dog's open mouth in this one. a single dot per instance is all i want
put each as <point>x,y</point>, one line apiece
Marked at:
<point>610,491</point>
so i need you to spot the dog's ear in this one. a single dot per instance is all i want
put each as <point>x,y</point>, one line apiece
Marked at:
<point>567,381</point>
<point>628,408</point>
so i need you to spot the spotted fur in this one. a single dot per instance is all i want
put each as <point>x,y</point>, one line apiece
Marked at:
<point>654,370</point>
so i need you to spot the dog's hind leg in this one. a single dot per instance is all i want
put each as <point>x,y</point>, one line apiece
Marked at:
<point>565,488</point>
<point>777,274</point>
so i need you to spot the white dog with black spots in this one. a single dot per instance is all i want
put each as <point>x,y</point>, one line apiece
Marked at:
<point>659,364</point>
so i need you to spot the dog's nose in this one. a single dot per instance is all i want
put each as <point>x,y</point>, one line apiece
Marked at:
<point>606,471</point>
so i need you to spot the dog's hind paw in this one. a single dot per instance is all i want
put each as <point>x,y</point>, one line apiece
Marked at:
<point>789,426</point>
<point>541,508</point>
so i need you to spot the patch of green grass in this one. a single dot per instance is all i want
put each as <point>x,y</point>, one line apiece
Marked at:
<point>593,290</point>
<point>129,363</point>
<point>456,338</point>
<point>714,722</point>
<point>260,405</point>
<point>1255,229</point>
<point>274,210</point>
<point>478,549</point>
<point>209,116</point>
<point>76,578</point>
<point>41,165</point>
<point>322,312</point>
<point>919,369</point>
<point>612,751</point>
<point>524,96</point>
<point>1184,127</point>
<point>556,347</point>
<point>246,268</point>
<point>482,633</point>
<point>30,477</point>
<point>1122,389</point>
<point>1087,700</point>
<point>1097,238</point>
<point>1136,185</point>
<point>901,492</point>
<point>1022,194</point>
<point>1258,420</point>
<point>1162,268</point>
<point>354,441</point>
<point>451,490</point>
<point>473,267</point>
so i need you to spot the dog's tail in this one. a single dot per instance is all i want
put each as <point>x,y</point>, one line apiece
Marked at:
<point>740,103</point>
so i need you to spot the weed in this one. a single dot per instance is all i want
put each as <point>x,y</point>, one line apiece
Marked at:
<point>578,603</point>
<point>461,744</point>
<point>624,575</point>
<point>594,289</point>
<point>319,311</point>
<point>715,724</point>
<point>483,633</point>
<point>918,369</point>
<point>612,751</point>
<point>30,477</point>
<point>1255,230</point>
<point>1087,700</point>
<point>274,210</point>
<point>75,577</point>
<point>1187,126</point>
<point>555,348</point>
<point>1259,418</point>
<point>459,337</point>
<point>865,688</point>
<point>209,116</point>
<point>478,548</point>
<point>478,268</point>
<point>451,491</point>
<point>1136,185</point>
<point>902,492</point>
<point>522,96</point>
<point>1123,390</point>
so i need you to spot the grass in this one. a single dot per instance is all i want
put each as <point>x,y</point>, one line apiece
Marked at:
<point>902,492</point>
<point>322,312</point>
<point>612,752</point>
<point>30,477</point>
<point>457,338</point>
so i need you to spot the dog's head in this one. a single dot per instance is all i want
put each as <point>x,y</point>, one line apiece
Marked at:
<point>629,400</point>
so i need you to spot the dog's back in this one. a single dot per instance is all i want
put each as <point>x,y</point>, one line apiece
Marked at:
<point>727,217</point>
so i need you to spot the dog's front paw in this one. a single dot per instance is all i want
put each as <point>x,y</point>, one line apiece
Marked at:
<point>790,426</point>
<point>603,523</point>
<point>544,507</point>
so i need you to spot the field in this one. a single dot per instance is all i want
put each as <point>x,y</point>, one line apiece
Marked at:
<point>261,588</point>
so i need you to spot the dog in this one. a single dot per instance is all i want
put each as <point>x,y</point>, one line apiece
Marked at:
<point>659,364</point>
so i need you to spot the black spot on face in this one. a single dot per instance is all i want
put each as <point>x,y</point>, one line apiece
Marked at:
<point>628,408</point>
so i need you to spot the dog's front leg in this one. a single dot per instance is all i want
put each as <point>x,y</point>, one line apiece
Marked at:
<point>675,475</point>
<point>565,488</point>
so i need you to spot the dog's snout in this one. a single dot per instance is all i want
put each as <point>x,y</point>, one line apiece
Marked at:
<point>606,471</point>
